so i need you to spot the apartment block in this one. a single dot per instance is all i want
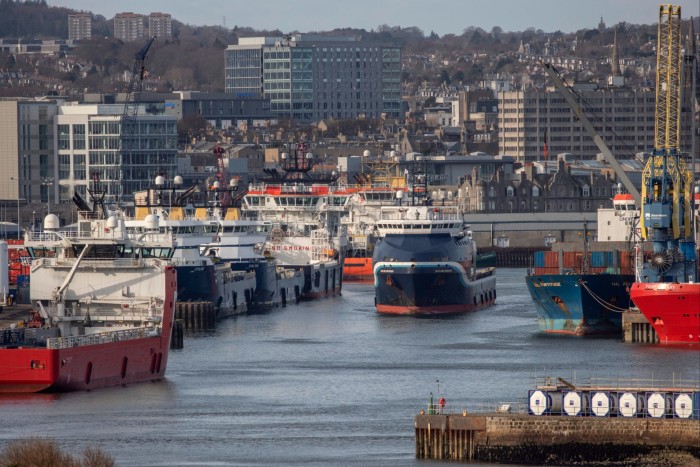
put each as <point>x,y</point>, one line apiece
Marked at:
<point>310,77</point>
<point>79,26</point>
<point>27,169</point>
<point>128,26</point>
<point>160,25</point>
<point>623,117</point>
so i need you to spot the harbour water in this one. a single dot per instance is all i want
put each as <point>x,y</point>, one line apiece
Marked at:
<point>329,382</point>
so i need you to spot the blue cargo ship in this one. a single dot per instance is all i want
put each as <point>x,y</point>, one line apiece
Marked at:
<point>580,304</point>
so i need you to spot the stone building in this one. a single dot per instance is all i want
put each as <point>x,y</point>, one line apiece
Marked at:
<point>530,192</point>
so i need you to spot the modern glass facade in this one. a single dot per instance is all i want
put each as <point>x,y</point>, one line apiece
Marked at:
<point>308,77</point>
<point>92,145</point>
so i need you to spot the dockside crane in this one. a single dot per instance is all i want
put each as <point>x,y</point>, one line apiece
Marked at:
<point>572,99</point>
<point>667,182</point>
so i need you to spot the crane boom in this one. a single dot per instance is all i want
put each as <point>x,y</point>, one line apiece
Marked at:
<point>566,92</point>
<point>133,91</point>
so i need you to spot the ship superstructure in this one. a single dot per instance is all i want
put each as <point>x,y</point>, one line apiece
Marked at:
<point>305,212</point>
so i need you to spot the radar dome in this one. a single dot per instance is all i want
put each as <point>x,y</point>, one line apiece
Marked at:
<point>51,222</point>
<point>399,194</point>
<point>160,180</point>
<point>151,222</point>
<point>309,155</point>
<point>177,180</point>
<point>284,155</point>
<point>216,185</point>
<point>366,153</point>
<point>392,154</point>
<point>112,222</point>
<point>233,182</point>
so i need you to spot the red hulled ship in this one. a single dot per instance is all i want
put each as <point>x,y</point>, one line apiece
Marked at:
<point>102,310</point>
<point>672,309</point>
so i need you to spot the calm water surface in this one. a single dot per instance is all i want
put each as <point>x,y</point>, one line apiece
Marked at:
<point>328,382</point>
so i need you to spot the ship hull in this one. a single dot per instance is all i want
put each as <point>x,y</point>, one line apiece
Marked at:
<point>196,283</point>
<point>85,367</point>
<point>673,310</point>
<point>113,361</point>
<point>323,279</point>
<point>426,288</point>
<point>575,304</point>
<point>358,269</point>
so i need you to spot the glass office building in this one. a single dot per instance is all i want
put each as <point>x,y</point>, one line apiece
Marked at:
<point>312,77</point>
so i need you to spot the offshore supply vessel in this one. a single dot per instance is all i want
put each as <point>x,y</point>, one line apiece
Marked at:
<point>667,291</point>
<point>425,261</point>
<point>304,208</point>
<point>103,309</point>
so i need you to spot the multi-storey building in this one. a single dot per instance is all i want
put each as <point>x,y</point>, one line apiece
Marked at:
<point>160,25</point>
<point>89,142</point>
<point>128,26</point>
<point>79,26</point>
<point>312,77</point>
<point>27,169</point>
<point>625,120</point>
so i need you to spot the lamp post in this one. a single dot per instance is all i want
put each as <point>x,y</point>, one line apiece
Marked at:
<point>18,228</point>
<point>48,181</point>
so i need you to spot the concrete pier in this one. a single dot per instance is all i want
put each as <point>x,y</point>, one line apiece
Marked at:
<point>636,328</point>
<point>557,440</point>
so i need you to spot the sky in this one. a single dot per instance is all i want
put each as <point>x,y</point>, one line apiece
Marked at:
<point>439,16</point>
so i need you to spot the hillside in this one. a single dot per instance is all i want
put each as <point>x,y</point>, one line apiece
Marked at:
<point>194,57</point>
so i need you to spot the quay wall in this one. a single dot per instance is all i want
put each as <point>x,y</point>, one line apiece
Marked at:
<point>559,440</point>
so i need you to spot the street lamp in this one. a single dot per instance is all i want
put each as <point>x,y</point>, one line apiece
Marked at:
<point>48,181</point>
<point>18,229</point>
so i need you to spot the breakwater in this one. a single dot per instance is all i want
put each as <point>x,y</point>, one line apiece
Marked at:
<point>557,440</point>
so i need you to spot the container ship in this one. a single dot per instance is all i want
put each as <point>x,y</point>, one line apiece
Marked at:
<point>424,263</point>
<point>580,304</point>
<point>581,292</point>
<point>102,310</point>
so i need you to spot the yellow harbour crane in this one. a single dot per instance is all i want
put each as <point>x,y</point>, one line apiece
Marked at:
<point>667,182</point>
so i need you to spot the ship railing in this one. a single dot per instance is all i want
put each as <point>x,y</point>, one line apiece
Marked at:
<point>98,338</point>
<point>110,262</point>
<point>10,336</point>
<point>675,383</point>
<point>466,408</point>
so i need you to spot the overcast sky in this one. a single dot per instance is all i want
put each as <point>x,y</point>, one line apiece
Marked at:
<point>440,16</point>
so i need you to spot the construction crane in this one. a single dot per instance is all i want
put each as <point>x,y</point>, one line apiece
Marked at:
<point>667,182</point>
<point>133,99</point>
<point>573,102</point>
<point>133,91</point>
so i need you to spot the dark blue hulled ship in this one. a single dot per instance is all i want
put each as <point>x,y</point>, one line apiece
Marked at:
<point>580,304</point>
<point>425,263</point>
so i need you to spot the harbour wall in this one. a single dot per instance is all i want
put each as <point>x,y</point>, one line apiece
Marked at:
<point>557,440</point>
